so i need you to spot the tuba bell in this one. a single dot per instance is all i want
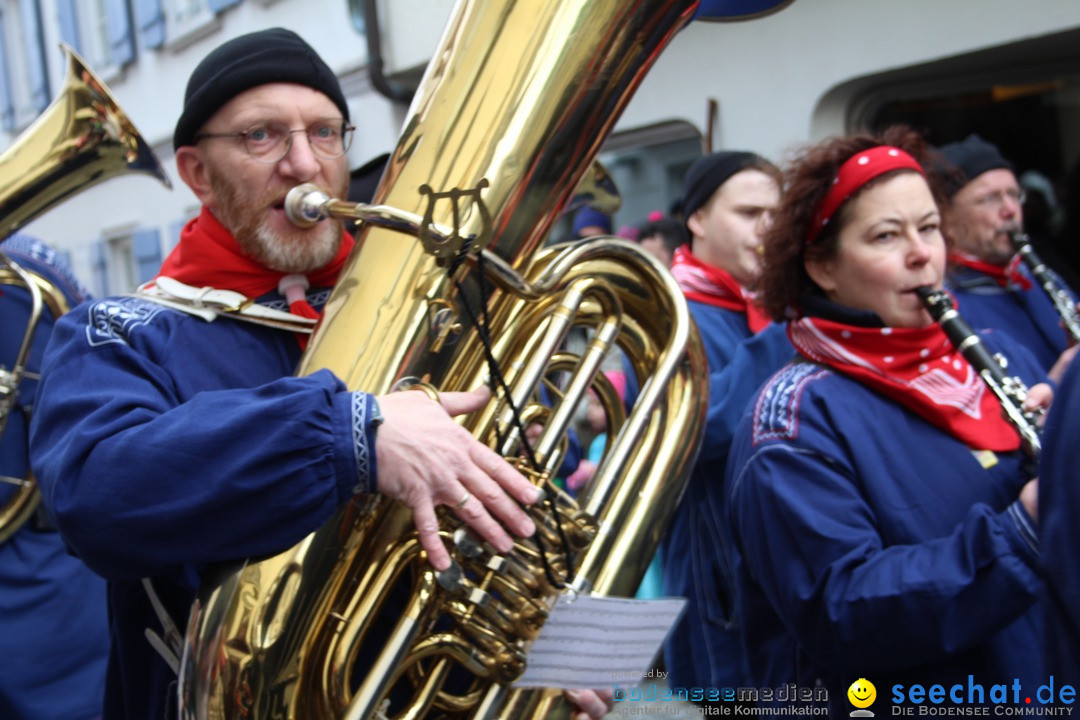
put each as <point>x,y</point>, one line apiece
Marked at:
<point>353,622</point>
<point>82,138</point>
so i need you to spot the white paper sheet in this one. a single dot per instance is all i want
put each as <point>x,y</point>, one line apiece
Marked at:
<point>596,642</point>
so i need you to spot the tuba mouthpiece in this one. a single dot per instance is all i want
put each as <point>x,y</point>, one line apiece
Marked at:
<point>306,204</point>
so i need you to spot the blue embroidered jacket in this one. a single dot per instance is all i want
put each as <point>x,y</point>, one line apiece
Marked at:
<point>1027,316</point>
<point>870,544</point>
<point>703,647</point>
<point>1059,531</point>
<point>164,443</point>
<point>54,639</point>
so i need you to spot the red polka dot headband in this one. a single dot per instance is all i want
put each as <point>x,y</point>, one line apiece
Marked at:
<point>853,174</point>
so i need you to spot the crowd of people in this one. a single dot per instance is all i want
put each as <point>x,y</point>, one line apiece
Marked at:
<point>871,496</point>
<point>861,506</point>
<point>858,478</point>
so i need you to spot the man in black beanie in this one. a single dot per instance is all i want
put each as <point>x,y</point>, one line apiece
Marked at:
<point>168,443</point>
<point>992,286</point>
<point>727,204</point>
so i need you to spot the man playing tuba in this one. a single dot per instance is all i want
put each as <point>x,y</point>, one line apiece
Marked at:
<point>176,443</point>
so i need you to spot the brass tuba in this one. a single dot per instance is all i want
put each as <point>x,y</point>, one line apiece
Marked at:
<point>82,138</point>
<point>352,622</point>
<point>43,295</point>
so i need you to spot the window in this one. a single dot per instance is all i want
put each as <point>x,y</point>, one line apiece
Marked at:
<point>94,31</point>
<point>648,166</point>
<point>126,260</point>
<point>146,246</point>
<point>120,265</point>
<point>189,20</point>
<point>100,31</point>
<point>184,12</point>
<point>24,86</point>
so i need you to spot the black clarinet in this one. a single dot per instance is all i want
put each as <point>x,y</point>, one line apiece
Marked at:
<point>1064,304</point>
<point>1009,390</point>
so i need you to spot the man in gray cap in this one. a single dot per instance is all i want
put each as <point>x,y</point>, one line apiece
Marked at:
<point>165,443</point>
<point>727,204</point>
<point>992,287</point>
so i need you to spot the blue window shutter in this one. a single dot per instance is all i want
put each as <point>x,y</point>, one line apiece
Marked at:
<point>175,228</point>
<point>146,245</point>
<point>7,106</point>
<point>150,20</point>
<point>69,23</point>
<point>219,5</point>
<point>121,38</point>
<point>99,269</point>
<point>36,69</point>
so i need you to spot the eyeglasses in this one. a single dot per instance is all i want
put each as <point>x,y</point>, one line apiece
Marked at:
<point>997,199</point>
<point>270,142</point>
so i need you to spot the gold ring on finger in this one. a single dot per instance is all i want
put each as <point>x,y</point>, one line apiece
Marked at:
<point>428,389</point>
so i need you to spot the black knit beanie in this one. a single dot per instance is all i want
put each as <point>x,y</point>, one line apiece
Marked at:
<point>259,58</point>
<point>969,159</point>
<point>709,173</point>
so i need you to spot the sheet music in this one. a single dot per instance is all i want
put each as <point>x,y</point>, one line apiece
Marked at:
<point>596,642</point>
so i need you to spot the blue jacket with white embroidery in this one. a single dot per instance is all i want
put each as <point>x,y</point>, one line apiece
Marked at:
<point>702,649</point>
<point>870,544</point>
<point>1027,316</point>
<point>54,636</point>
<point>164,443</point>
<point>1059,531</point>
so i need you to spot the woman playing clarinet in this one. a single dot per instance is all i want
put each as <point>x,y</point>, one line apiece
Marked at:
<point>882,507</point>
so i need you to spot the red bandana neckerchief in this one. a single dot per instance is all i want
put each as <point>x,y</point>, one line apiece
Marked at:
<point>917,368</point>
<point>711,285</point>
<point>1005,276</point>
<point>208,256</point>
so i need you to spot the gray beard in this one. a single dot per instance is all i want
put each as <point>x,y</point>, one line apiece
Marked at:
<point>310,250</point>
<point>318,248</point>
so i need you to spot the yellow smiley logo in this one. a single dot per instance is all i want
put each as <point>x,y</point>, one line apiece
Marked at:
<point>862,693</point>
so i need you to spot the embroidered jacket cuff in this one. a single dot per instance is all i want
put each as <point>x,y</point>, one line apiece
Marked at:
<point>365,420</point>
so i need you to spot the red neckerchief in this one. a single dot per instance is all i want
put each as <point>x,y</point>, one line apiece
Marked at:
<point>208,256</point>
<point>917,368</point>
<point>1004,275</point>
<point>713,286</point>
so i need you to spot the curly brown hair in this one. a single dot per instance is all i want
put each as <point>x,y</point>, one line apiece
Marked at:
<point>807,178</point>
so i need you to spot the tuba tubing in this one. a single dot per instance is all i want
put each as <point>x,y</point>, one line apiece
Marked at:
<point>513,109</point>
<point>43,296</point>
<point>82,138</point>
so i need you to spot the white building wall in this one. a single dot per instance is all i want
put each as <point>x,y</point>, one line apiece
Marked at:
<point>778,81</point>
<point>770,75</point>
